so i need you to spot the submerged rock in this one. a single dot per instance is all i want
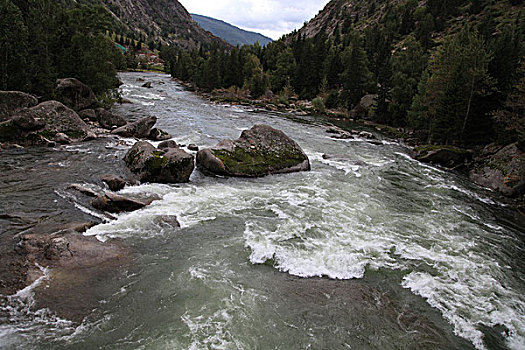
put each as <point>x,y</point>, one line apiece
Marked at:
<point>503,170</point>
<point>193,147</point>
<point>13,101</point>
<point>147,85</point>
<point>75,94</point>
<point>114,203</point>
<point>149,164</point>
<point>140,128</point>
<point>260,151</point>
<point>108,120</point>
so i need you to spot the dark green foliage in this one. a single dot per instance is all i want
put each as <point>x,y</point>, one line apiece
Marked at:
<point>44,41</point>
<point>13,47</point>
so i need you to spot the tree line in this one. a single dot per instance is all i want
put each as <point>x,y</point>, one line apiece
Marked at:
<point>41,40</point>
<point>453,85</point>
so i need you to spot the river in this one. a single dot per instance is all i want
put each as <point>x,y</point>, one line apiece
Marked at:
<point>381,252</point>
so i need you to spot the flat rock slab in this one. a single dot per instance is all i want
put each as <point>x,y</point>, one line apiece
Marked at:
<point>114,203</point>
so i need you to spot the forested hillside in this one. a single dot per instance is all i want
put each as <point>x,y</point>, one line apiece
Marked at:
<point>450,70</point>
<point>42,40</point>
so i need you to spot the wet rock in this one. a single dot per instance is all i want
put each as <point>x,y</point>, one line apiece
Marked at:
<point>168,144</point>
<point>447,156</point>
<point>80,265</point>
<point>88,114</point>
<point>114,203</point>
<point>158,135</point>
<point>149,164</point>
<point>193,147</point>
<point>260,151</point>
<point>13,101</point>
<point>108,120</point>
<point>338,133</point>
<point>123,101</point>
<point>114,182</point>
<point>502,170</point>
<point>367,135</point>
<point>75,94</point>
<point>62,139</point>
<point>83,189</point>
<point>140,128</point>
<point>147,85</point>
<point>166,221</point>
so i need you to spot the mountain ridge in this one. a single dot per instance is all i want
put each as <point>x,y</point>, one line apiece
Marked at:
<point>230,33</point>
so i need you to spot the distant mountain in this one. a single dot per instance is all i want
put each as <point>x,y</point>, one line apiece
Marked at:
<point>231,34</point>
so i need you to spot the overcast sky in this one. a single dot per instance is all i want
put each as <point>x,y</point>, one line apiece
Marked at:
<point>272,18</point>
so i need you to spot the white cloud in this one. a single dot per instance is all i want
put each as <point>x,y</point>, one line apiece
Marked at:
<point>272,18</point>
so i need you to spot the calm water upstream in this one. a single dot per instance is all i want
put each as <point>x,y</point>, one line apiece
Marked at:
<point>378,253</point>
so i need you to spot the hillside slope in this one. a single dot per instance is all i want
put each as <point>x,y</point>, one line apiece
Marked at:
<point>232,34</point>
<point>164,20</point>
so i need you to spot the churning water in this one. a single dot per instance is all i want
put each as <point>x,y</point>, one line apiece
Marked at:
<point>380,252</point>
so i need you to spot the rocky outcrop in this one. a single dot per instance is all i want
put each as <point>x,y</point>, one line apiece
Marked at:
<point>158,135</point>
<point>501,169</point>
<point>447,156</point>
<point>139,129</point>
<point>149,164</point>
<point>108,120</point>
<point>75,94</point>
<point>260,151</point>
<point>39,124</point>
<point>13,101</point>
<point>114,182</point>
<point>114,203</point>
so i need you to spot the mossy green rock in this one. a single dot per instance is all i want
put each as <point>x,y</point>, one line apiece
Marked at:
<point>150,164</point>
<point>260,151</point>
<point>502,170</point>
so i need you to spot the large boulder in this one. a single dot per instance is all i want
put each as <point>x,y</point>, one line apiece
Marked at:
<point>60,119</point>
<point>108,120</point>
<point>13,101</point>
<point>503,171</point>
<point>139,129</point>
<point>42,122</point>
<point>447,156</point>
<point>149,164</point>
<point>75,94</point>
<point>260,151</point>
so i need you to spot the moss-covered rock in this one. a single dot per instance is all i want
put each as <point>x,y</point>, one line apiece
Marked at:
<point>503,171</point>
<point>149,164</point>
<point>260,151</point>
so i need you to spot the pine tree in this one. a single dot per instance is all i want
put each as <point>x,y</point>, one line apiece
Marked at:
<point>13,47</point>
<point>356,77</point>
<point>458,73</point>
